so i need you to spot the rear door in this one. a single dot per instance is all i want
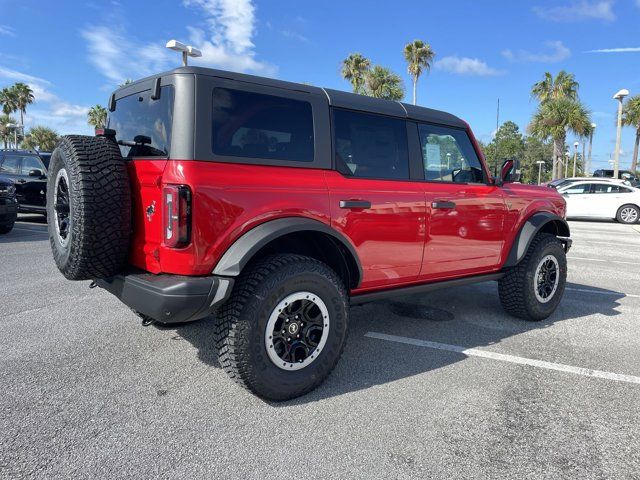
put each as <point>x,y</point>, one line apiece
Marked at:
<point>373,201</point>
<point>465,214</point>
<point>608,198</point>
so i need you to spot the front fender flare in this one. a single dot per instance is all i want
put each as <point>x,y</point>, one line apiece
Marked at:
<point>244,248</point>
<point>529,230</point>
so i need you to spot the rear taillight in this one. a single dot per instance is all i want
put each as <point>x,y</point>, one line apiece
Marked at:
<point>177,215</point>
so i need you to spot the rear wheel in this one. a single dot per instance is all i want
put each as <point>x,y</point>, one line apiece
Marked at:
<point>628,214</point>
<point>533,289</point>
<point>284,328</point>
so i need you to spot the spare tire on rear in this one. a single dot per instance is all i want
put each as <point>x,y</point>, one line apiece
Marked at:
<point>88,207</point>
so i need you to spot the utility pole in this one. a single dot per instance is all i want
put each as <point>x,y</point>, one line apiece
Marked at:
<point>616,155</point>
<point>588,166</point>
<point>575,157</point>
<point>540,163</point>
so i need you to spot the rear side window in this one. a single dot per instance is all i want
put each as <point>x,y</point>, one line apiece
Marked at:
<point>143,125</point>
<point>603,188</point>
<point>370,146</point>
<point>449,156</point>
<point>11,165</point>
<point>254,125</point>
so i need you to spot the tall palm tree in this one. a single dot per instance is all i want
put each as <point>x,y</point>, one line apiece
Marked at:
<point>554,119</point>
<point>97,116</point>
<point>41,138</point>
<point>631,118</point>
<point>380,82</point>
<point>564,85</point>
<point>8,101</point>
<point>24,97</point>
<point>419,56</point>
<point>354,69</point>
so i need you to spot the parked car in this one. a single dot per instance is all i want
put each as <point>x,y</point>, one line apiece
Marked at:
<point>29,175</point>
<point>8,204</point>
<point>628,175</point>
<point>271,207</point>
<point>562,182</point>
<point>596,198</point>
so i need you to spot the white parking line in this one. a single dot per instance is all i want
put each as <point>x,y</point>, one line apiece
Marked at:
<point>474,352</point>
<point>602,260</point>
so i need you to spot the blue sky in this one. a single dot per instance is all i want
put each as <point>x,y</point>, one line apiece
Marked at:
<point>74,53</point>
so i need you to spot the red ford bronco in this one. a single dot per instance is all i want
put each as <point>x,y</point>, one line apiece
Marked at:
<point>271,207</point>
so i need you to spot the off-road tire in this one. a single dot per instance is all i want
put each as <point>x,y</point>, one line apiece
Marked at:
<point>517,287</point>
<point>620,219</point>
<point>242,322</point>
<point>100,208</point>
<point>6,228</point>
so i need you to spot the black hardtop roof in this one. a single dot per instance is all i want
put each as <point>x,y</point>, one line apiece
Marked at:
<point>337,98</point>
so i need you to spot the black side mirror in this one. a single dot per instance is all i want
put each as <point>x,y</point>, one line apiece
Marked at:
<point>36,172</point>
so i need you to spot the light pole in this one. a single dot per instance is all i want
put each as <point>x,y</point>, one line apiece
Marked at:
<point>616,158</point>
<point>187,50</point>
<point>540,163</point>
<point>575,156</point>
<point>593,129</point>
<point>567,155</point>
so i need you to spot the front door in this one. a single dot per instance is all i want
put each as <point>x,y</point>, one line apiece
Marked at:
<point>580,202</point>
<point>373,202</point>
<point>465,213</point>
<point>34,185</point>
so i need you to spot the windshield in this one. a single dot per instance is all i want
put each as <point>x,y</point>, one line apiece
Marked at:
<point>143,125</point>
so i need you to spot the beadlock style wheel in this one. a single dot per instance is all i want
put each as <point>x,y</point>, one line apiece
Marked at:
<point>62,207</point>
<point>547,278</point>
<point>297,331</point>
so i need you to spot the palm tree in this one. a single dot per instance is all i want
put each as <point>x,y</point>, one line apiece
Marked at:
<point>24,96</point>
<point>554,119</point>
<point>354,69</point>
<point>97,116</point>
<point>380,82</point>
<point>564,85</point>
<point>631,118</point>
<point>8,101</point>
<point>41,138</point>
<point>419,56</point>
<point>5,133</point>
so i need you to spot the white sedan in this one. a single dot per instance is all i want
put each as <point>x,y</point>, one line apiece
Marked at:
<point>601,199</point>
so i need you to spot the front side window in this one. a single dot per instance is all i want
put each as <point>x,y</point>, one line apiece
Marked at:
<point>370,146</point>
<point>31,163</point>
<point>11,165</point>
<point>143,125</point>
<point>254,125</point>
<point>578,189</point>
<point>449,156</point>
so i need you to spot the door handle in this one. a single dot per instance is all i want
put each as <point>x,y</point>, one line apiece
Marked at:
<point>443,205</point>
<point>22,180</point>
<point>355,204</point>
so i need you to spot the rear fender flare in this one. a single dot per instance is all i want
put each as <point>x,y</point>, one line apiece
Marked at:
<point>244,248</point>
<point>530,229</point>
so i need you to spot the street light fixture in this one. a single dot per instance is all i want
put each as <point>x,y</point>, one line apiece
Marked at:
<point>593,129</point>
<point>187,50</point>
<point>616,159</point>
<point>575,156</point>
<point>540,163</point>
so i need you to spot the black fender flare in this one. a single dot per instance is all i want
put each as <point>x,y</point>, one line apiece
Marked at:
<point>529,229</point>
<point>244,248</point>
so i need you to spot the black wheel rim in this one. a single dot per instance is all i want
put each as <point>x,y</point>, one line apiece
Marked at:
<point>297,331</point>
<point>62,207</point>
<point>547,278</point>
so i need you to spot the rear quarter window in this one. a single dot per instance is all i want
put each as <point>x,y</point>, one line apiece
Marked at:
<point>143,125</point>
<point>256,125</point>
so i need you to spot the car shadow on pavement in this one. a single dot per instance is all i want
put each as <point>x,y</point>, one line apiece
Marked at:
<point>470,317</point>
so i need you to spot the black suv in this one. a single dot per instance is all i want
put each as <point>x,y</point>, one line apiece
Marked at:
<point>8,204</point>
<point>622,174</point>
<point>29,175</point>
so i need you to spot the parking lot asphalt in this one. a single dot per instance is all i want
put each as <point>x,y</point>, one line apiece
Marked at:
<point>438,385</point>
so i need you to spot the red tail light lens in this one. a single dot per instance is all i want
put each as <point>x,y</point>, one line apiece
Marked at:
<point>177,215</point>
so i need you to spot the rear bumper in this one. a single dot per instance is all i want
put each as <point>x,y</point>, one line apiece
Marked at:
<point>169,298</point>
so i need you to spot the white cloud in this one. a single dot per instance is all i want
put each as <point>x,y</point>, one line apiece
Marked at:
<point>226,43</point>
<point>615,50</point>
<point>466,66</point>
<point>579,10</point>
<point>48,109</point>
<point>295,36</point>
<point>558,52</point>
<point>7,30</point>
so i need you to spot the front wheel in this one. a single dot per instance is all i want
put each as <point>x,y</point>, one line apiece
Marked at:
<point>628,214</point>
<point>533,289</point>
<point>7,227</point>
<point>284,328</point>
